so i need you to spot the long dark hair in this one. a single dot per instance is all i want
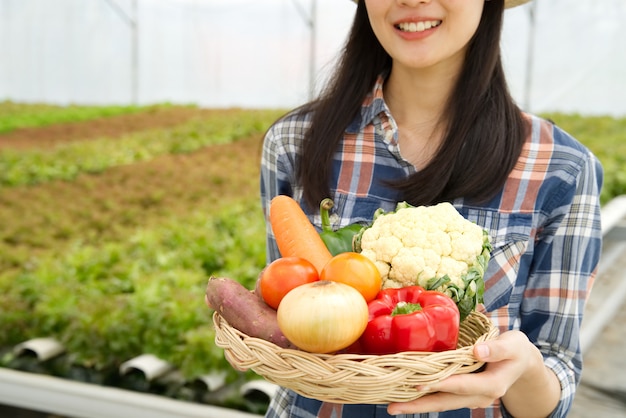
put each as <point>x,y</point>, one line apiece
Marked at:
<point>484,135</point>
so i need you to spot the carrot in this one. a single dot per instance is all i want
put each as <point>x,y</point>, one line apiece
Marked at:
<point>295,235</point>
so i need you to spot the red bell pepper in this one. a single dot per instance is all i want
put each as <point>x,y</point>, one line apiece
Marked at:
<point>411,319</point>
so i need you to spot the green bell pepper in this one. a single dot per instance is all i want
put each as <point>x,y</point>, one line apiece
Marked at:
<point>339,241</point>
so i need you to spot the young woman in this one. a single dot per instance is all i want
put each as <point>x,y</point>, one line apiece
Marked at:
<point>419,110</point>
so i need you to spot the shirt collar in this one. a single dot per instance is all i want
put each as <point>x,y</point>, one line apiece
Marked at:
<point>372,106</point>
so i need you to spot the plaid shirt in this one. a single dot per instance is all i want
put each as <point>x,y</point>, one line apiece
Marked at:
<point>544,226</point>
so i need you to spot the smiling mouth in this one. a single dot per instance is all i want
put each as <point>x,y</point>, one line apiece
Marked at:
<point>418,26</point>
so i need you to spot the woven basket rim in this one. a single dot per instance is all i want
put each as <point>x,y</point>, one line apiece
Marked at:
<point>353,378</point>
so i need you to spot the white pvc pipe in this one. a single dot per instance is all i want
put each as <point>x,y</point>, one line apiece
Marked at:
<point>594,324</point>
<point>150,365</point>
<point>43,348</point>
<point>613,213</point>
<point>85,400</point>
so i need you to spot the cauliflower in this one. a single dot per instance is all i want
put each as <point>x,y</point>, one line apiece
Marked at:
<point>430,246</point>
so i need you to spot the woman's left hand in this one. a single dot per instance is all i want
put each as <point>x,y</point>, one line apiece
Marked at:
<point>513,366</point>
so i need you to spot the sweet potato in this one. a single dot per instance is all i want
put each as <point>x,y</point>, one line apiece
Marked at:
<point>244,310</point>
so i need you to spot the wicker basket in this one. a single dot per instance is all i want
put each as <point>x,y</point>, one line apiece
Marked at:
<point>353,378</point>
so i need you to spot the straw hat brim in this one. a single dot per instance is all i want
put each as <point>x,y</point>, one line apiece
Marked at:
<point>512,3</point>
<point>507,4</point>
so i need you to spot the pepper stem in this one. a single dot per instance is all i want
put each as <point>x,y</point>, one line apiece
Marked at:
<point>325,206</point>
<point>403,308</point>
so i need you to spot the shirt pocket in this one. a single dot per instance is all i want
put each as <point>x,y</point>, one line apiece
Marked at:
<point>510,238</point>
<point>349,209</point>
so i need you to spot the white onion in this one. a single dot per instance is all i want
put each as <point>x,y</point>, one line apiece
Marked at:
<point>323,316</point>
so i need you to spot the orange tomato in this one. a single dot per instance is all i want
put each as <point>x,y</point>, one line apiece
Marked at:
<point>356,270</point>
<point>283,275</point>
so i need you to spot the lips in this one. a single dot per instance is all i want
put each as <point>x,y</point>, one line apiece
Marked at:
<point>420,26</point>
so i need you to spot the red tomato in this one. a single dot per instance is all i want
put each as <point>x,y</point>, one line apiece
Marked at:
<point>283,275</point>
<point>356,270</point>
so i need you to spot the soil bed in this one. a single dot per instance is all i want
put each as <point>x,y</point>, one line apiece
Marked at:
<point>111,204</point>
<point>50,136</point>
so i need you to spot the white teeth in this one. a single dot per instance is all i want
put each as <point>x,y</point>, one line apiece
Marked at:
<point>418,26</point>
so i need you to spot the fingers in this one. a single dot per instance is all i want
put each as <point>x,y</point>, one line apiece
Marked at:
<point>508,346</point>
<point>455,392</point>
<point>438,402</point>
<point>478,386</point>
<point>505,359</point>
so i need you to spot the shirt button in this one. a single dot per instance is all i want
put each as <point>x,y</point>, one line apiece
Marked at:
<point>389,135</point>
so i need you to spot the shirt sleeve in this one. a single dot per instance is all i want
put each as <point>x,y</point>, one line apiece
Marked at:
<point>567,252</point>
<point>280,404</point>
<point>281,147</point>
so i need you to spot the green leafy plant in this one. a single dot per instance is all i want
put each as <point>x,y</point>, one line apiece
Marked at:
<point>112,302</point>
<point>66,161</point>
<point>22,115</point>
<point>605,136</point>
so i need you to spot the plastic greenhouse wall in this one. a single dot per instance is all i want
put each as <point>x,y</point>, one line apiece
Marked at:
<point>257,54</point>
